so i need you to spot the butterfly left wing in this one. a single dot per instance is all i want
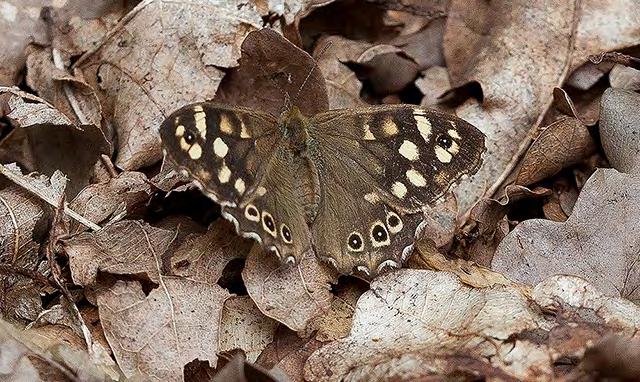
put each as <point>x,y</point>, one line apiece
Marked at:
<point>377,167</point>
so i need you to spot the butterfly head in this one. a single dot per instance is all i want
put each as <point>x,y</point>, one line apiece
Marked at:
<point>295,127</point>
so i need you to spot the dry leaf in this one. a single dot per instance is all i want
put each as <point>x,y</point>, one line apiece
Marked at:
<point>517,90</point>
<point>620,129</point>
<point>598,242</point>
<point>293,295</point>
<point>161,56</point>
<point>203,257</point>
<point>270,68</point>
<point>125,247</point>
<point>433,84</point>
<point>560,145</point>
<point>244,327</point>
<point>622,77</point>
<point>184,326</point>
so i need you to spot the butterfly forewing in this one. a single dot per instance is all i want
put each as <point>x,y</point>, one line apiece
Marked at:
<point>237,157</point>
<point>379,166</point>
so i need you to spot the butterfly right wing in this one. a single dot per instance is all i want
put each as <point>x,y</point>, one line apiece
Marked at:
<point>238,159</point>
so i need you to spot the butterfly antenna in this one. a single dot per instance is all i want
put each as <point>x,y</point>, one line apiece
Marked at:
<point>315,65</point>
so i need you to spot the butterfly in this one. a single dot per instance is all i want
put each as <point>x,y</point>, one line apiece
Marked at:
<point>347,185</point>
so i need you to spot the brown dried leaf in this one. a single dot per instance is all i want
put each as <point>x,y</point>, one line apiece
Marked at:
<point>244,327</point>
<point>125,247</point>
<point>292,295</point>
<point>620,129</point>
<point>162,55</point>
<point>271,67</point>
<point>239,370</point>
<point>517,91</point>
<point>560,145</point>
<point>53,142</point>
<point>598,242</point>
<point>622,77</point>
<point>412,316</point>
<point>154,336</point>
<point>203,257</point>
<point>112,200</point>
<point>433,84</point>
<point>343,87</point>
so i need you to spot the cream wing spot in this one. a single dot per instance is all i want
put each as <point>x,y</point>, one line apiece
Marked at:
<point>399,189</point>
<point>416,178</point>
<point>200,118</point>
<point>195,151</point>
<point>180,131</point>
<point>372,198</point>
<point>225,125</point>
<point>453,133</point>
<point>184,145</point>
<point>224,174</point>
<point>389,127</point>
<point>243,131</point>
<point>239,185</point>
<point>220,148</point>
<point>455,148</point>
<point>261,191</point>
<point>409,150</point>
<point>368,135</point>
<point>443,155</point>
<point>423,124</point>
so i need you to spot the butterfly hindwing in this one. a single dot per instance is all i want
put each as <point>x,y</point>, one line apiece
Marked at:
<point>378,164</point>
<point>237,157</point>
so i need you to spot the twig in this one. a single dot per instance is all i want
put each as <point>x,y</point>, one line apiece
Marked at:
<point>76,216</point>
<point>616,57</point>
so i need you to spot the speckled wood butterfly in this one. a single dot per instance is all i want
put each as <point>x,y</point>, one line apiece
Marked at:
<point>346,184</point>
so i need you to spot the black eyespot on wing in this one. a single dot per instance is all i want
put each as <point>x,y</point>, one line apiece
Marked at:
<point>355,242</point>
<point>286,234</point>
<point>268,221</point>
<point>379,233</point>
<point>189,137</point>
<point>393,221</point>
<point>444,141</point>
<point>252,211</point>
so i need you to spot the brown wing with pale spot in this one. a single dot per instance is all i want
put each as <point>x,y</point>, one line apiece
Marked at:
<point>237,158</point>
<point>377,168</point>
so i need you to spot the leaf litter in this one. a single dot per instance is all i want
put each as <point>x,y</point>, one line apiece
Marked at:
<point>527,271</point>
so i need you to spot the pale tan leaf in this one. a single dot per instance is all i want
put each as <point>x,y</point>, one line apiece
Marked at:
<point>620,129</point>
<point>598,242</point>
<point>293,295</point>
<point>161,56</point>
<point>244,327</point>
<point>125,247</point>
<point>156,335</point>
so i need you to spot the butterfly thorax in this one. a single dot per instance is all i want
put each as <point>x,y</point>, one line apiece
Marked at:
<point>294,127</point>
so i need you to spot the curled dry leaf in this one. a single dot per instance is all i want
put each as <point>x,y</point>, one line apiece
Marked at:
<point>125,247</point>
<point>620,129</point>
<point>184,326</point>
<point>203,257</point>
<point>293,295</point>
<point>50,141</point>
<point>560,145</point>
<point>587,109</point>
<point>244,327</point>
<point>343,86</point>
<point>622,77</point>
<point>598,242</point>
<point>270,68</point>
<point>516,92</point>
<point>415,324</point>
<point>111,200</point>
<point>162,55</point>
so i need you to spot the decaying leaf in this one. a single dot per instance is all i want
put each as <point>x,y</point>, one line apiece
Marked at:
<point>290,71</point>
<point>620,129</point>
<point>561,144</point>
<point>244,327</point>
<point>161,56</point>
<point>184,326</point>
<point>125,247</point>
<point>292,295</point>
<point>598,242</point>
<point>412,324</point>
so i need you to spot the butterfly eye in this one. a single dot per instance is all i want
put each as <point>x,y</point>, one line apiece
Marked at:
<point>379,235</point>
<point>355,242</point>
<point>286,234</point>
<point>251,213</point>
<point>444,141</point>
<point>394,222</point>
<point>268,224</point>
